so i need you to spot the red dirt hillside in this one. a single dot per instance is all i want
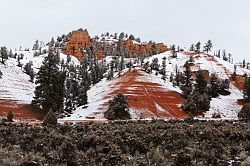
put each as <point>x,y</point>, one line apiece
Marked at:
<point>147,98</point>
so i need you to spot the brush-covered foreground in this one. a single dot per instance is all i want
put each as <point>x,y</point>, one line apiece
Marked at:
<point>154,142</point>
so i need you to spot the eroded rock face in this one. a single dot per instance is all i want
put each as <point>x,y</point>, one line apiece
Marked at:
<point>240,81</point>
<point>79,40</point>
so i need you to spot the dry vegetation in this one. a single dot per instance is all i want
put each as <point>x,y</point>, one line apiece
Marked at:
<point>127,143</point>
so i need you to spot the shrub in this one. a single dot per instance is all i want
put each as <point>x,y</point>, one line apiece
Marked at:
<point>244,114</point>
<point>10,116</point>
<point>50,119</point>
<point>118,108</point>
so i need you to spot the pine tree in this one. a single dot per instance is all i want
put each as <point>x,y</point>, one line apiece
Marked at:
<point>49,90</point>
<point>36,45</point>
<point>224,55</point>
<point>164,68</point>
<point>50,119</point>
<point>234,75</point>
<point>187,88</point>
<point>215,86</point>
<point>3,54</point>
<point>247,89</point>
<point>192,48</point>
<point>10,116</point>
<point>1,74</point>
<point>201,83</point>
<point>198,47</point>
<point>118,108</point>
<point>208,46</point>
<point>244,63</point>
<point>154,49</point>
<point>198,100</point>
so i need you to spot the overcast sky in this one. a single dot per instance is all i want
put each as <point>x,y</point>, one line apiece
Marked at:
<point>182,22</point>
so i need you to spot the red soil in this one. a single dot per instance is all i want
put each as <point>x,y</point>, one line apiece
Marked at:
<point>149,98</point>
<point>20,111</point>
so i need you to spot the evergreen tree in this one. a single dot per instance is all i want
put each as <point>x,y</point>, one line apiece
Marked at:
<point>244,114</point>
<point>234,75</point>
<point>118,108</point>
<point>174,53</point>
<point>154,64</point>
<point>49,92</point>
<point>192,48</point>
<point>164,68</point>
<point>208,46</point>
<point>201,83</point>
<point>187,88</point>
<point>1,74</point>
<point>247,89</point>
<point>215,86</point>
<point>198,47</point>
<point>198,100</point>
<point>28,67</point>
<point>10,116</point>
<point>244,63</point>
<point>224,55</point>
<point>36,45</point>
<point>3,54</point>
<point>50,119</point>
<point>154,49</point>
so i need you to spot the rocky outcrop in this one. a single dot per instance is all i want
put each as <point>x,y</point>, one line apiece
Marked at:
<point>240,82</point>
<point>78,40</point>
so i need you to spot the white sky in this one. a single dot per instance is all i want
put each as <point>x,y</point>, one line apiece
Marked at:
<point>180,22</point>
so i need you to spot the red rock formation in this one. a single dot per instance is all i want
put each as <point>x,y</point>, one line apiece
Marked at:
<point>78,40</point>
<point>161,47</point>
<point>240,82</point>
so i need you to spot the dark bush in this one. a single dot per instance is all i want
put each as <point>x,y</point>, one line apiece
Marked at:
<point>244,114</point>
<point>50,119</point>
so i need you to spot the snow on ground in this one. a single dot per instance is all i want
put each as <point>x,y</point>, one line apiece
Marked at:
<point>96,96</point>
<point>14,84</point>
<point>225,105</point>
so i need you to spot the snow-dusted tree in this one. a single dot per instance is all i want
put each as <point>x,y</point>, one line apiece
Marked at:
<point>247,89</point>
<point>224,55</point>
<point>1,74</point>
<point>138,40</point>
<point>215,85</point>
<point>187,88</point>
<point>230,59</point>
<point>198,100</point>
<point>3,54</point>
<point>208,46</point>
<point>111,70</point>
<point>49,90</point>
<point>121,36</point>
<point>173,50</point>
<point>234,73</point>
<point>244,63</point>
<point>131,37</point>
<point>198,47</point>
<point>163,72</point>
<point>154,64</point>
<point>36,45</point>
<point>118,108</point>
<point>192,48</point>
<point>154,49</point>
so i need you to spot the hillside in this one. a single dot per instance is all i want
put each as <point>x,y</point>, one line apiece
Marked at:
<point>148,94</point>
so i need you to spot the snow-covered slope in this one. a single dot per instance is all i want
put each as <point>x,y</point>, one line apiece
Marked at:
<point>227,106</point>
<point>15,85</point>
